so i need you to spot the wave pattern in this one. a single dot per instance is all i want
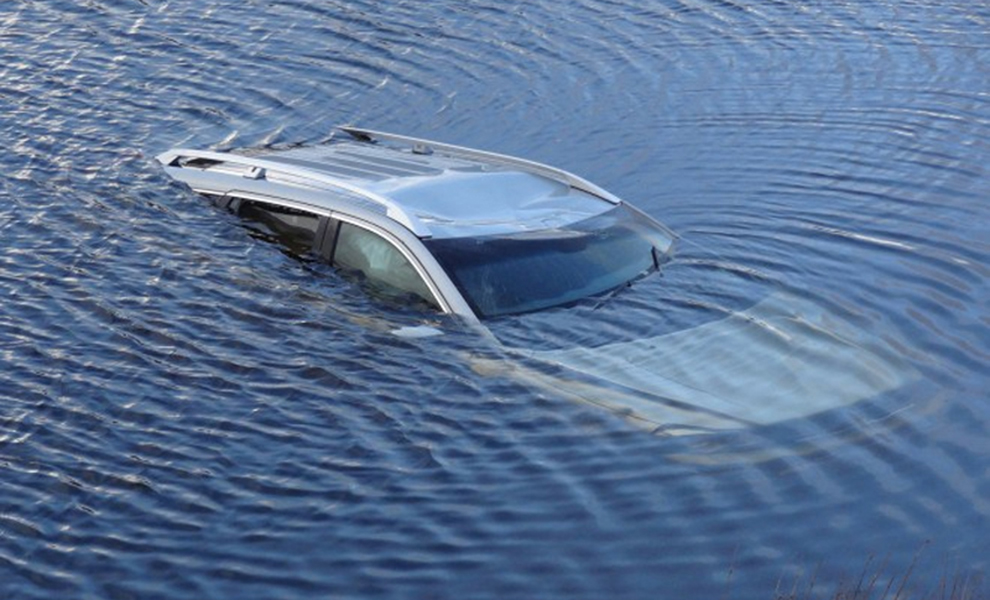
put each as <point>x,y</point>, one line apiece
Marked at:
<point>186,411</point>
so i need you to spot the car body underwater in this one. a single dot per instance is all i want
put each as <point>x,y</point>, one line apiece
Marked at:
<point>487,237</point>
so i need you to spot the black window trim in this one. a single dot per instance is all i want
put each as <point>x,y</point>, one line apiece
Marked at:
<point>326,238</point>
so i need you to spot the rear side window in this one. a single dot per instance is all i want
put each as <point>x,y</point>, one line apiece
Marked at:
<point>386,272</point>
<point>293,227</point>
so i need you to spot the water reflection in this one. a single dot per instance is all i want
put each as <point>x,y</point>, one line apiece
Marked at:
<point>183,400</point>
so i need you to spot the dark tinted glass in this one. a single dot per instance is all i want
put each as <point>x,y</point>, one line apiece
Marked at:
<point>294,228</point>
<point>510,274</point>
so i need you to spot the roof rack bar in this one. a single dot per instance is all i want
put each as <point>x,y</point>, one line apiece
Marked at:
<point>527,165</point>
<point>258,167</point>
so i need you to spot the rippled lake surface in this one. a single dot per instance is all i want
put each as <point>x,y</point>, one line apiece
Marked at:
<point>189,412</point>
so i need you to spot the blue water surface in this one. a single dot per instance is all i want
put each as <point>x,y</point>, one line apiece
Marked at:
<point>189,412</point>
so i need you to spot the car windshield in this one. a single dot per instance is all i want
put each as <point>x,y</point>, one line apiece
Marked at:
<point>523,272</point>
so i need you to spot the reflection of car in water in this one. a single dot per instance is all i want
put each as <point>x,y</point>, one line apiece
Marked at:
<point>494,239</point>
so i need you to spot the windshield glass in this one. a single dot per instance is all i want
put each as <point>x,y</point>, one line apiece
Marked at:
<point>523,272</point>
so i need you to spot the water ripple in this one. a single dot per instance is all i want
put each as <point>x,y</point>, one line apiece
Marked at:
<point>182,399</point>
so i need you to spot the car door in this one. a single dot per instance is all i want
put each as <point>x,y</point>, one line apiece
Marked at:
<point>357,249</point>
<point>379,265</point>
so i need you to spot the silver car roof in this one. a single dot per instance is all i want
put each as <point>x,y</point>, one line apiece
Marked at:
<point>433,189</point>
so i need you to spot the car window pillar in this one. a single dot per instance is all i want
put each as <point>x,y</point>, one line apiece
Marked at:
<point>326,238</point>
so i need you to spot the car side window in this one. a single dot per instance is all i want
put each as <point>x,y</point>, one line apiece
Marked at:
<point>293,227</point>
<point>386,271</point>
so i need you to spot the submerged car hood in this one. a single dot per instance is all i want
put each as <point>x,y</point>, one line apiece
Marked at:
<point>784,358</point>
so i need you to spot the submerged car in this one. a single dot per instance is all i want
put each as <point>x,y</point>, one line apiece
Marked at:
<point>471,233</point>
<point>485,236</point>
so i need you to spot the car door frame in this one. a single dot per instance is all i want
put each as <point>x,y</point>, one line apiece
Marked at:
<point>444,292</point>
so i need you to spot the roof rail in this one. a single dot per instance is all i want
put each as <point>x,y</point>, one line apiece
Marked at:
<point>460,151</point>
<point>258,167</point>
